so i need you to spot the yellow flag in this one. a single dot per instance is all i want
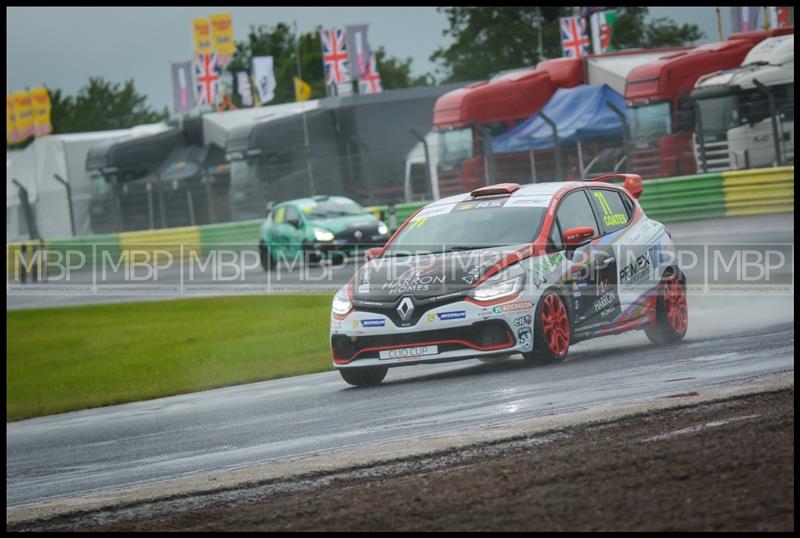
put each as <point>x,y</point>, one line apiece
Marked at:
<point>222,34</point>
<point>23,114</point>
<point>202,36</point>
<point>302,91</point>
<point>41,111</point>
<point>11,122</point>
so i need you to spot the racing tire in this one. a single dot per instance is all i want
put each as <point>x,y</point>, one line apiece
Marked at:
<point>264,256</point>
<point>312,259</point>
<point>552,333</point>
<point>672,314</point>
<point>367,376</point>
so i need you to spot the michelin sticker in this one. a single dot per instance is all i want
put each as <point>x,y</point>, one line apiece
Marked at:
<point>369,323</point>
<point>456,314</point>
<point>528,202</point>
<point>435,210</point>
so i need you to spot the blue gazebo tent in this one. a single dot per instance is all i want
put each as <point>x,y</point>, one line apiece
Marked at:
<point>580,113</point>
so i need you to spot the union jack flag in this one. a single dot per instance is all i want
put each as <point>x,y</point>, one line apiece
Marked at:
<point>334,56</point>
<point>574,36</point>
<point>370,82</point>
<point>206,78</point>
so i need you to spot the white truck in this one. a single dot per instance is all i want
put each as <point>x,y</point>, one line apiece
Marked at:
<point>735,126</point>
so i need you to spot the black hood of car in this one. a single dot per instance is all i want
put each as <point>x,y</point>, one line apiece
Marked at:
<point>426,276</point>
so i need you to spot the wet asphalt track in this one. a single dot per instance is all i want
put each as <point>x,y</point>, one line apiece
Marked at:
<point>731,339</point>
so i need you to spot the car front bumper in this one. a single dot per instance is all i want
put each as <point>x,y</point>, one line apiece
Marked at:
<point>458,330</point>
<point>331,249</point>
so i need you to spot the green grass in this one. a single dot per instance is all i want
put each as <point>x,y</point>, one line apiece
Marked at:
<point>64,359</point>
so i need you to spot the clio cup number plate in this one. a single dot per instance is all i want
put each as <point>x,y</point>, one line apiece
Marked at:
<point>409,352</point>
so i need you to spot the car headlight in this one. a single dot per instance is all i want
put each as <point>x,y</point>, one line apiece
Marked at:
<point>323,235</point>
<point>382,228</point>
<point>341,302</point>
<point>504,284</point>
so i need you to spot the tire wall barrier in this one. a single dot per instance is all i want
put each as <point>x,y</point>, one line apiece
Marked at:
<point>726,194</point>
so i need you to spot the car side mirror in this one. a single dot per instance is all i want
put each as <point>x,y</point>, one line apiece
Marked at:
<point>372,253</point>
<point>296,223</point>
<point>580,235</point>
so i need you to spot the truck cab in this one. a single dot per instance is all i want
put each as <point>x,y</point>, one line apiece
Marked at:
<point>662,111</point>
<point>735,128</point>
<point>465,117</point>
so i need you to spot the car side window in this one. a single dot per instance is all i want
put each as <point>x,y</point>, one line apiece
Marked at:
<point>292,215</point>
<point>575,211</point>
<point>612,209</point>
<point>279,215</point>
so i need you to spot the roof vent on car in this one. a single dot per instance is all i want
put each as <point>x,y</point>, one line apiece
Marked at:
<point>492,190</point>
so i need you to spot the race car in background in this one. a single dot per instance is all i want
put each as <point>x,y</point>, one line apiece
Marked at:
<point>510,269</point>
<point>316,228</point>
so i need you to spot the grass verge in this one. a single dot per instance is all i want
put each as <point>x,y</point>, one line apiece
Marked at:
<point>65,359</point>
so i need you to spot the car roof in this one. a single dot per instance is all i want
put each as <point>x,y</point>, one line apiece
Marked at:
<point>313,200</point>
<point>532,190</point>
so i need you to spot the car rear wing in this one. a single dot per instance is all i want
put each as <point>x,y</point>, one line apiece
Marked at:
<point>630,182</point>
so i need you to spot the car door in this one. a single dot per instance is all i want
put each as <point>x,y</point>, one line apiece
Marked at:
<point>293,230</point>
<point>632,258</point>
<point>592,275</point>
<point>277,232</point>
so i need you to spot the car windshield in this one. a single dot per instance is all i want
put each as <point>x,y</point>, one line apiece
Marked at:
<point>467,226</point>
<point>332,208</point>
<point>718,114</point>
<point>651,121</point>
<point>454,146</point>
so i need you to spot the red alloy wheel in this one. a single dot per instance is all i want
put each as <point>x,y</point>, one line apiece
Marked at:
<point>555,324</point>
<point>675,304</point>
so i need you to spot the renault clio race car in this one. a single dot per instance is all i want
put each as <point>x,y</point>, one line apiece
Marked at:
<point>510,269</point>
<point>316,228</point>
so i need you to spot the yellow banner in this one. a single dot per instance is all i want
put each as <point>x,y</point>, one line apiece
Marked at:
<point>23,113</point>
<point>41,111</point>
<point>11,122</point>
<point>202,36</point>
<point>222,34</point>
<point>302,91</point>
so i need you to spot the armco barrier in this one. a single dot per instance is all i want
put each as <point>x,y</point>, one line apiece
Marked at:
<point>684,198</point>
<point>752,192</point>
<point>230,234</point>
<point>95,247</point>
<point>20,260</point>
<point>744,192</point>
<point>180,242</point>
<point>82,251</point>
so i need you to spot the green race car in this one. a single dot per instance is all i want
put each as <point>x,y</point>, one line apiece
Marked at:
<point>316,228</point>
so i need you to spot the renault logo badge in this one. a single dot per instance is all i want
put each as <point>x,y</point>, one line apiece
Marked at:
<point>405,309</point>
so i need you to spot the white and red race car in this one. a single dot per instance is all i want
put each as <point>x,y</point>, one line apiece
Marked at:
<point>510,269</point>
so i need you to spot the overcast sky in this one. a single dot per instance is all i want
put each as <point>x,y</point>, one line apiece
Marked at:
<point>62,47</point>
